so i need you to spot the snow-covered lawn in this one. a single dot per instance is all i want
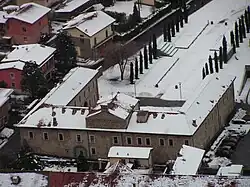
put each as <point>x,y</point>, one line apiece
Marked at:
<point>5,134</point>
<point>127,8</point>
<point>188,70</point>
<point>26,180</point>
<point>210,158</point>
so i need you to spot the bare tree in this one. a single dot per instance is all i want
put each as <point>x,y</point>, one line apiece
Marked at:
<point>120,54</point>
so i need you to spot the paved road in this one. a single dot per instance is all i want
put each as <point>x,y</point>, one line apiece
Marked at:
<point>157,30</point>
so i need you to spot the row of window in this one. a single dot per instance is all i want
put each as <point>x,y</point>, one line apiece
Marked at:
<point>115,139</point>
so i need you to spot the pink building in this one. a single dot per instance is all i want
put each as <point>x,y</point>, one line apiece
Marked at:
<point>12,65</point>
<point>27,23</point>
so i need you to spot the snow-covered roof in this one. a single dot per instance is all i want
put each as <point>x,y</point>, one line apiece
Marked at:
<point>58,117</point>
<point>15,65</point>
<point>31,52</point>
<point>189,161</point>
<point>72,84</point>
<point>233,170</point>
<point>90,23</point>
<point>4,95</point>
<point>70,5</point>
<point>29,12</point>
<point>3,15</point>
<point>119,105</point>
<point>27,179</point>
<point>129,152</point>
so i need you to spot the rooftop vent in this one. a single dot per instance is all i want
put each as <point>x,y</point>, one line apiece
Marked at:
<point>155,115</point>
<point>55,123</point>
<point>127,154</point>
<point>117,153</point>
<point>142,116</point>
<point>163,116</point>
<point>198,102</point>
<point>74,111</point>
<point>212,101</point>
<point>53,113</point>
<point>194,123</point>
<point>217,78</point>
<point>63,110</point>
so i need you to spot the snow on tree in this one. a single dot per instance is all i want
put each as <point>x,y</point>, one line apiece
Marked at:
<point>118,54</point>
<point>173,29</point>
<point>136,69</point>
<point>169,33</point>
<point>33,81</point>
<point>131,75</point>
<point>141,63</point>
<point>216,63</point>
<point>66,54</point>
<point>221,57</point>
<point>206,69</point>
<point>145,56</point>
<point>210,61</point>
<point>236,30</point>
<point>165,32</point>
<point>224,47</point>
<point>154,47</point>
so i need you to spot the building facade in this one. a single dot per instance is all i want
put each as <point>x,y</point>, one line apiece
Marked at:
<point>26,29</point>
<point>122,123</point>
<point>89,42</point>
<point>5,106</point>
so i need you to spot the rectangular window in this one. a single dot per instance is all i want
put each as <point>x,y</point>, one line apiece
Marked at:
<point>60,137</point>
<point>78,138</point>
<point>170,142</point>
<point>161,142</point>
<point>45,136</point>
<point>129,140</point>
<point>186,142</point>
<point>115,140</point>
<point>12,76</point>
<point>148,141</point>
<point>139,141</point>
<point>93,151</point>
<point>92,139</point>
<point>25,39</point>
<point>24,29</point>
<point>31,135</point>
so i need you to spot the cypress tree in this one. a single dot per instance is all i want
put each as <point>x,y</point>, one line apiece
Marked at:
<point>203,73</point>
<point>236,34</point>
<point>210,62</point>
<point>169,33</point>
<point>165,32</point>
<point>224,47</point>
<point>216,64</point>
<point>232,41</point>
<point>141,63</point>
<point>181,20</point>
<point>185,13</point>
<point>145,55</point>
<point>177,24</point>
<point>221,58</point>
<point>206,69</point>
<point>240,32</point>
<point>243,27</point>
<point>154,47</point>
<point>136,69</point>
<point>150,53</point>
<point>131,77</point>
<point>246,20</point>
<point>173,29</point>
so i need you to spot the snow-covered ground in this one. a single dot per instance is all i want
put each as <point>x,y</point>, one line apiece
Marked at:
<point>127,8</point>
<point>210,158</point>
<point>188,69</point>
<point>5,134</point>
<point>26,180</point>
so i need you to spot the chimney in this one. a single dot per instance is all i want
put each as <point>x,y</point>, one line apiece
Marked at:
<point>74,110</point>
<point>82,111</point>
<point>54,122</point>
<point>104,108</point>
<point>194,123</point>
<point>63,110</point>
<point>142,116</point>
